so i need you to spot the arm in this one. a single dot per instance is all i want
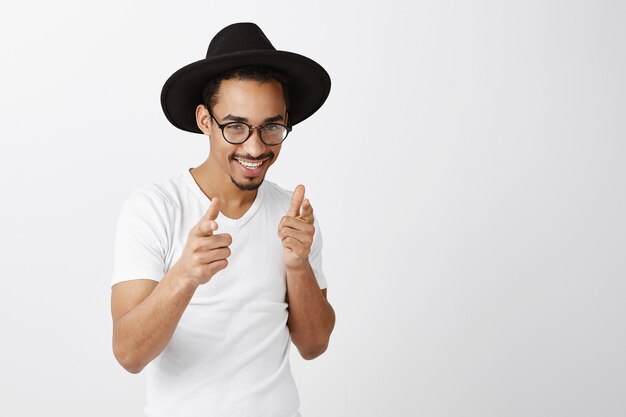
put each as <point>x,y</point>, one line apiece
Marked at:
<point>145,314</point>
<point>311,318</point>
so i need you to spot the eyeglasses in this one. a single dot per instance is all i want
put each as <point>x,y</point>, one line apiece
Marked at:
<point>237,133</point>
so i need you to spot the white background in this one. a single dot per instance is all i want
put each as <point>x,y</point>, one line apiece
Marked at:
<point>467,171</point>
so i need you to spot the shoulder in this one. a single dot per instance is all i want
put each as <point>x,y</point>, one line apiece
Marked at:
<point>157,196</point>
<point>146,196</point>
<point>277,194</point>
<point>280,198</point>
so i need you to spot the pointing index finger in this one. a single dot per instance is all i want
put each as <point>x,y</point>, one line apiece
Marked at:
<point>206,226</point>
<point>214,209</point>
<point>296,201</point>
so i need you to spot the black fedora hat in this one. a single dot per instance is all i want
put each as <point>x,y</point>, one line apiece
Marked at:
<point>237,45</point>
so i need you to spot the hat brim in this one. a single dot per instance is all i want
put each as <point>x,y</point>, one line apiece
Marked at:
<point>309,84</point>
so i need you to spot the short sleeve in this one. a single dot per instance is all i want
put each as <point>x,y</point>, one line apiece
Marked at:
<point>141,237</point>
<point>315,256</point>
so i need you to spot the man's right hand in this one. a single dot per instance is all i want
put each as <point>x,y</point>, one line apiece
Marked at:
<point>145,312</point>
<point>205,253</point>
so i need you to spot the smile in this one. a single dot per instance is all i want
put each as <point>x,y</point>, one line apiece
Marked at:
<point>251,168</point>
<point>248,164</point>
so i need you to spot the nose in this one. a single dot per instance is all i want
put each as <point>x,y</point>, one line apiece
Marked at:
<point>254,146</point>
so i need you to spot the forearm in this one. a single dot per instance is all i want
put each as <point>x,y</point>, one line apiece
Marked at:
<point>143,332</point>
<point>311,318</point>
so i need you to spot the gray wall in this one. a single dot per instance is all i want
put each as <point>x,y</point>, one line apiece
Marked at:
<point>467,171</point>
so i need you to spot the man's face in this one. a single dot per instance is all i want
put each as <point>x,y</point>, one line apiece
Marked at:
<point>256,104</point>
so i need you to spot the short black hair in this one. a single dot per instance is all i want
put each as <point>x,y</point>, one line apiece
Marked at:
<point>250,72</point>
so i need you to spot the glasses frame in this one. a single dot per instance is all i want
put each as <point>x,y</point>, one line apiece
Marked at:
<point>250,130</point>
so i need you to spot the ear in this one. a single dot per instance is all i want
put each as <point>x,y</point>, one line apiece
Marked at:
<point>203,119</point>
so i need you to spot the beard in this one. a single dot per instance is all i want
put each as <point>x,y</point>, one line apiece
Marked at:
<point>249,186</point>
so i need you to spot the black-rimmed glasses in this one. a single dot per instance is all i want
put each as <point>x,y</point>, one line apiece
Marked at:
<point>237,133</point>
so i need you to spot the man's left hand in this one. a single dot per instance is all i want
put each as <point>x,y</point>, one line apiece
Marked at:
<point>296,230</point>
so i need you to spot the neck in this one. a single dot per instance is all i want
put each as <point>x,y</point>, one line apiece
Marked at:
<point>215,183</point>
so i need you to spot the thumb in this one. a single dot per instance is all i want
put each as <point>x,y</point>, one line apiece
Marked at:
<point>296,201</point>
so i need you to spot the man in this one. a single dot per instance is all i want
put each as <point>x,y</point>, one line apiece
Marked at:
<point>217,269</point>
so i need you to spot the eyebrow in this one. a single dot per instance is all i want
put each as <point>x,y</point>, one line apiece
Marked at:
<point>272,119</point>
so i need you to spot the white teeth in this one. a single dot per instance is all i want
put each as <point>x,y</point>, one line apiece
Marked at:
<point>250,165</point>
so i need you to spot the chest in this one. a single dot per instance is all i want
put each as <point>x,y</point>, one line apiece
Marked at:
<point>255,275</point>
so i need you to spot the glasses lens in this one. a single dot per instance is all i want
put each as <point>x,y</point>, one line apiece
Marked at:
<point>236,132</point>
<point>274,133</point>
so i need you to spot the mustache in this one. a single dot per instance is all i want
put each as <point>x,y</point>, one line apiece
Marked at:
<point>251,158</point>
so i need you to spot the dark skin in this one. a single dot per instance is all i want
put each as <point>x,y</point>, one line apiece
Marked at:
<point>145,312</point>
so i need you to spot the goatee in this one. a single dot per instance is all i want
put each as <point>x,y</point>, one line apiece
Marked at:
<point>248,186</point>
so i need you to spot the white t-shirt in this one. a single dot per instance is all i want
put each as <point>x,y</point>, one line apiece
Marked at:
<point>229,355</point>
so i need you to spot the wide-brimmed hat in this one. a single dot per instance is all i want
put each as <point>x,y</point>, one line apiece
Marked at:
<point>237,45</point>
